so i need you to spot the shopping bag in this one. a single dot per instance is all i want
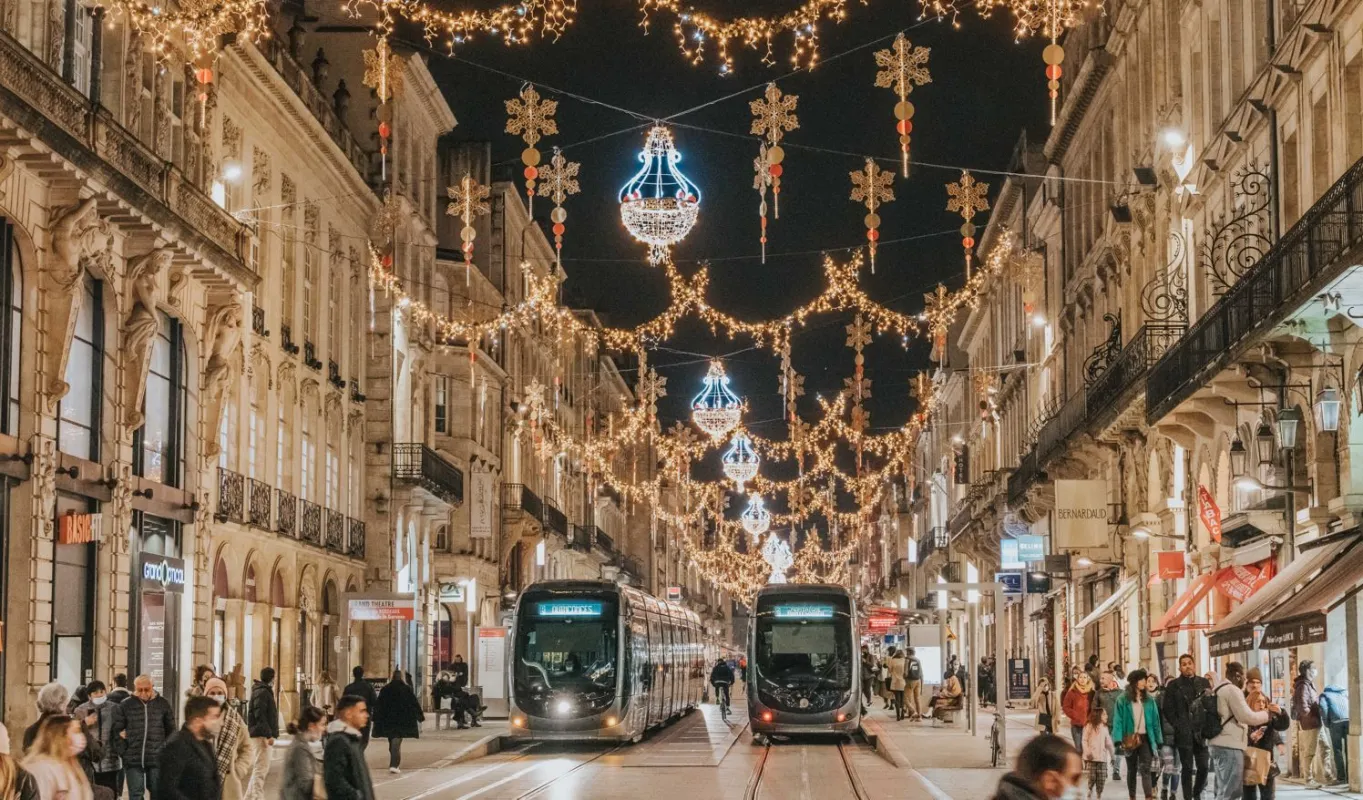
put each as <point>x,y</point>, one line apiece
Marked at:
<point>1257,764</point>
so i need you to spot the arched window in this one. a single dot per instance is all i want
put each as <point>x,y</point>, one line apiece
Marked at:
<point>158,447</point>
<point>248,584</point>
<point>11,288</point>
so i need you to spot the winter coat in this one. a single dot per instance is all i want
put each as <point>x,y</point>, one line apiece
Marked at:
<point>148,724</point>
<point>56,780</point>
<point>101,734</point>
<point>302,764</point>
<point>1076,706</point>
<point>722,673</point>
<point>118,694</point>
<point>1014,787</point>
<point>460,671</point>
<point>1334,705</point>
<point>31,732</point>
<point>397,714</point>
<point>1107,698</point>
<point>1231,706</point>
<point>897,667</point>
<point>1098,744</point>
<point>1124,723</point>
<point>1271,733</point>
<point>365,689</point>
<point>187,769</point>
<point>343,768</point>
<point>262,719</point>
<point>235,755</point>
<point>1304,699</point>
<point>1180,702</point>
<point>25,788</point>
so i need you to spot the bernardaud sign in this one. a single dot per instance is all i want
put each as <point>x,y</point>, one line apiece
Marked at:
<point>1080,515</point>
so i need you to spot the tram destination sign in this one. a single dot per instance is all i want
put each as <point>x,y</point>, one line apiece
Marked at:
<point>569,608</point>
<point>803,611</point>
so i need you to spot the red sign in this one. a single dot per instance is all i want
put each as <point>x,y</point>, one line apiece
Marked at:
<point>882,623</point>
<point>388,609</point>
<point>1208,512</point>
<point>75,528</point>
<point>1170,565</point>
<point>1238,583</point>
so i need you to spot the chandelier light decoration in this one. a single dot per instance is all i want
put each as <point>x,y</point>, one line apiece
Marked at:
<point>901,67</point>
<point>659,205</point>
<point>716,410</point>
<point>741,461</point>
<point>777,554</point>
<point>756,519</point>
<point>531,118</point>
<point>467,201</point>
<point>871,188</point>
<point>559,180</point>
<point>967,197</point>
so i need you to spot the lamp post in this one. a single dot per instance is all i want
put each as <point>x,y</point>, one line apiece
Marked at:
<point>1289,420</point>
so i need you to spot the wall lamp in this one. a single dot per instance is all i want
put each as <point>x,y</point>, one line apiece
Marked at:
<point>72,472</point>
<point>142,493</point>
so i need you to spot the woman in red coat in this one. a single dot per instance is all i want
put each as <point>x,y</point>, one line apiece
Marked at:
<point>1076,703</point>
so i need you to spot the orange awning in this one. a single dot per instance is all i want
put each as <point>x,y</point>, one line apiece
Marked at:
<point>1172,621</point>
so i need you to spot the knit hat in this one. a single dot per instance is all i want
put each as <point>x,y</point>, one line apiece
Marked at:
<point>215,686</point>
<point>1254,675</point>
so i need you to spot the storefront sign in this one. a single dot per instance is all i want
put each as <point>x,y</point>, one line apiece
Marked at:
<point>1038,582</point>
<point>1008,554</point>
<point>492,662</point>
<point>674,594</point>
<point>1238,583</point>
<point>1170,565</point>
<point>882,622</point>
<point>1019,679</point>
<point>1031,548</point>
<point>1239,640</point>
<point>162,573</point>
<point>1208,512</point>
<point>1012,581</point>
<point>451,592</point>
<point>1080,514</point>
<point>152,638</point>
<point>480,505</point>
<point>76,528</point>
<point>396,608</point>
<point>1309,629</point>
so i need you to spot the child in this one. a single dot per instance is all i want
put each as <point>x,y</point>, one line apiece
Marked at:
<point>1098,750</point>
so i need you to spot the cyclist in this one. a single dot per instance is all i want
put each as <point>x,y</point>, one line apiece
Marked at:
<point>722,677</point>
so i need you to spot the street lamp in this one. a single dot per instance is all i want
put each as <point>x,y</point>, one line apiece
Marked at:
<point>1289,420</point>
<point>1238,456</point>
<point>1264,442</point>
<point>1328,405</point>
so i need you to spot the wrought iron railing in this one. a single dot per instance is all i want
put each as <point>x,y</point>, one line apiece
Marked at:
<point>1125,374</point>
<point>518,497</point>
<point>356,396</point>
<point>603,542</point>
<point>582,538</point>
<point>258,495</point>
<point>932,541</point>
<point>231,496</point>
<point>630,566</point>
<point>554,519</point>
<point>334,374</point>
<point>1022,477</point>
<point>310,359</point>
<point>335,531</point>
<point>286,342</point>
<point>1066,421</point>
<point>310,523</point>
<point>418,464</point>
<point>258,321</point>
<point>286,514</point>
<point>355,545</point>
<point>1297,266</point>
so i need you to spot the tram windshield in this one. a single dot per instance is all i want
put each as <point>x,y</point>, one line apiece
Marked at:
<point>566,646</point>
<point>805,643</point>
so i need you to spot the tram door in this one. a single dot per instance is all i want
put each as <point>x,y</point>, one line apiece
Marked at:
<point>658,703</point>
<point>637,657</point>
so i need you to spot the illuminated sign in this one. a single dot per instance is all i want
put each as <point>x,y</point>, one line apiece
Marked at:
<point>164,570</point>
<point>674,594</point>
<point>880,623</point>
<point>802,612</point>
<point>569,608</point>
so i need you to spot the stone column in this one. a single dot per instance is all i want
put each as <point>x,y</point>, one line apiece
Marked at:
<point>1353,639</point>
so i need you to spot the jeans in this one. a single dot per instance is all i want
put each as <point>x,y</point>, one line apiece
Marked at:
<point>898,704</point>
<point>1228,765</point>
<point>260,769</point>
<point>394,752</point>
<point>1190,756</point>
<point>722,690</point>
<point>1077,733</point>
<point>1138,764</point>
<point>141,780</point>
<point>1339,742</point>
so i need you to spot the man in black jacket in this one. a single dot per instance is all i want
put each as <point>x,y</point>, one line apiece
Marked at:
<point>460,671</point>
<point>1178,708</point>
<point>343,769</point>
<point>187,767</point>
<point>142,723</point>
<point>262,723</point>
<point>364,690</point>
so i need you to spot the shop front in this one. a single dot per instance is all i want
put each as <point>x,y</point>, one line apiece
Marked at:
<point>158,585</point>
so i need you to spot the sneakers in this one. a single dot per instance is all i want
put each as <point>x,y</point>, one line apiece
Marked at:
<point>394,771</point>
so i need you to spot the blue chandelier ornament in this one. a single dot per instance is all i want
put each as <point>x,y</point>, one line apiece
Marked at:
<point>756,519</point>
<point>741,461</point>
<point>716,410</point>
<point>659,205</point>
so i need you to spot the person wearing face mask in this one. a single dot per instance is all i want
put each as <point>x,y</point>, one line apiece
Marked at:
<point>54,760</point>
<point>15,782</point>
<point>235,755</point>
<point>1048,768</point>
<point>303,765</point>
<point>97,715</point>
<point>1306,711</point>
<point>1227,748</point>
<point>187,769</point>
<point>1136,727</point>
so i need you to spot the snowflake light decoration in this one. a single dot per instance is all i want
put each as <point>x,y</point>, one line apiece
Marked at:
<point>716,410</point>
<point>967,197</point>
<point>871,188</point>
<point>383,74</point>
<point>756,519</point>
<point>659,205</point>
<point>1051,18</point>
<point>773,117</point>
<point>559,180</point>
<point>777,554</point>
<point>530,118</point>
<point>901,67</point>
<point>468,200</point>
<point>741,460</point>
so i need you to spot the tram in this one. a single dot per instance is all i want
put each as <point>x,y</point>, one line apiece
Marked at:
<point>593,660</point>
<point>803,670</point>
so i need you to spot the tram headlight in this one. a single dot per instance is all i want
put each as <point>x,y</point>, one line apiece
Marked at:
<point>610,722</point>
<point>766,716</point>
<point>842,717</point>
<point>564,707</point>
<point>517,722</point>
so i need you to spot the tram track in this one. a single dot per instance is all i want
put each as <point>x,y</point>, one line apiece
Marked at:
<point>576,768</point>
<point>760,786</point>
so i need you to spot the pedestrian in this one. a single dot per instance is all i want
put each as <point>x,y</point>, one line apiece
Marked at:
<point>913,685</point>
<point>1048,768</point>
<point>98,716</point>
<point>1098,750</point>
<point>1227,748</point>
<point>236,687</point>
<point>78,698</point>
<point>233,751</point>
<point>1042,701</point>
<point>896,666</point>
<point>1155,692</point>
<point>344,772</point>
<point>1137,727</point>
<point>868,668</point>
<point>1170,769</point>
<point>1092,668</point>
<point>1076,703</point>
<point>303,764</point>
<point>201,675</point>
<point>397,716</point>
<point>143,722</point>
<point>1306,711</point>
<point>948,698</point>
<point>443,694</point>
<point>1334,718</point>
<point>120,691</point>
<point>459,671</point>
<point>1178,709</point>
<point>188,770</point>
<point>470,704</point>
<point>886,693</point>
<point>1261,769</point>
<point>1109,692</point>
<point>262,723</point>
<point>51,701</point>
<point>15,782</point>
<point>364,690</point>
<point>53,760</point>
<point>325,692</point>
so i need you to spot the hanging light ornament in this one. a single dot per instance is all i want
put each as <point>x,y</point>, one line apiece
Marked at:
<point>383,74</point>
<point>871,188</point>
<point>558,180</point>
<point>762,181</point>
<point>777,554</point>
<point>967,197</point>
<point>659,205</point>
<point>773,116</point>
<point>467,200</point>
<point>716,410</point>
<point>756,519</point>
<point>902,66</point>
<point>531,118</point>
<point>741,460</point>
<point>1051,18</point>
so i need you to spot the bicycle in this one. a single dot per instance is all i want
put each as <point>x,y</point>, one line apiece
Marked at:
<point>995,746</point>
<point>722,698</point>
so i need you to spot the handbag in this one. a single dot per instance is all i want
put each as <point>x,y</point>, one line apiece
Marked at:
<point>1257,764</point>
<point>1131,741</point>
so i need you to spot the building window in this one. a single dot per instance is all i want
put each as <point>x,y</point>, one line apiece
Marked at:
<point>442,539</point>
<point>84,26</point>
<point>305,468</point>
<point>11,286</point>
<point>227,431</point>
<point>78,418</point>
<point>309,300</point>
<point>333,478</point>
<point>287,257</point>
<point>442,398</point>
<point>334,318</point>
<point>255,442</point>
<point>158,447</point>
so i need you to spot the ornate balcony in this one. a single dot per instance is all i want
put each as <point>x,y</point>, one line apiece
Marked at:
<point>258,503</point>
<point>258,322</point>
<point>554,519</point>
<point>582,538</point>
<point>334,374</point>
<point>1315,252</point>
<point>310,527</point>
<point>231,496</point>
<point>603,545</point>
<point>286,514</point>
<point>1124,376</point>
<point>517,498</point>
<point>630,566</point>
<point>356,396</point>
<point>286,340</point>
<point>932,541</point>
<point>310,359</point>
<point>355,544</point>
<point>335,534</point>
<point>419,465</point>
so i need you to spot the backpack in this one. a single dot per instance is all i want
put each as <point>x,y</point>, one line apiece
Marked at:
<point>914,672</point>
<point>1208,717</point>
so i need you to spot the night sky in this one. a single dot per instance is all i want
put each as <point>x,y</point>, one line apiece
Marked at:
<point>985,89</point>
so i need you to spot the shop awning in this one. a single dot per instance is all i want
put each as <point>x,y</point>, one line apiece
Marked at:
<point>1107,606</point>
<point>1235,633</point>
<point>1301,618</point>
<point>1172,621</point>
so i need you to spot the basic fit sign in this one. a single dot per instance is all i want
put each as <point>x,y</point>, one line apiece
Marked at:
<point>1080,515</point>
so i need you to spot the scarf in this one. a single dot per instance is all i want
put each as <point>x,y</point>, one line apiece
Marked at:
<point>229,737</point>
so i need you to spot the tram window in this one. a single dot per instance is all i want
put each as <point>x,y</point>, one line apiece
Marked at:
<point>805,649</point>
<point>568,652</point>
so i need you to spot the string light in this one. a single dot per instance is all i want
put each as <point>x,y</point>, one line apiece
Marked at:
<point>697,31</point>
<point>756,519</point>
